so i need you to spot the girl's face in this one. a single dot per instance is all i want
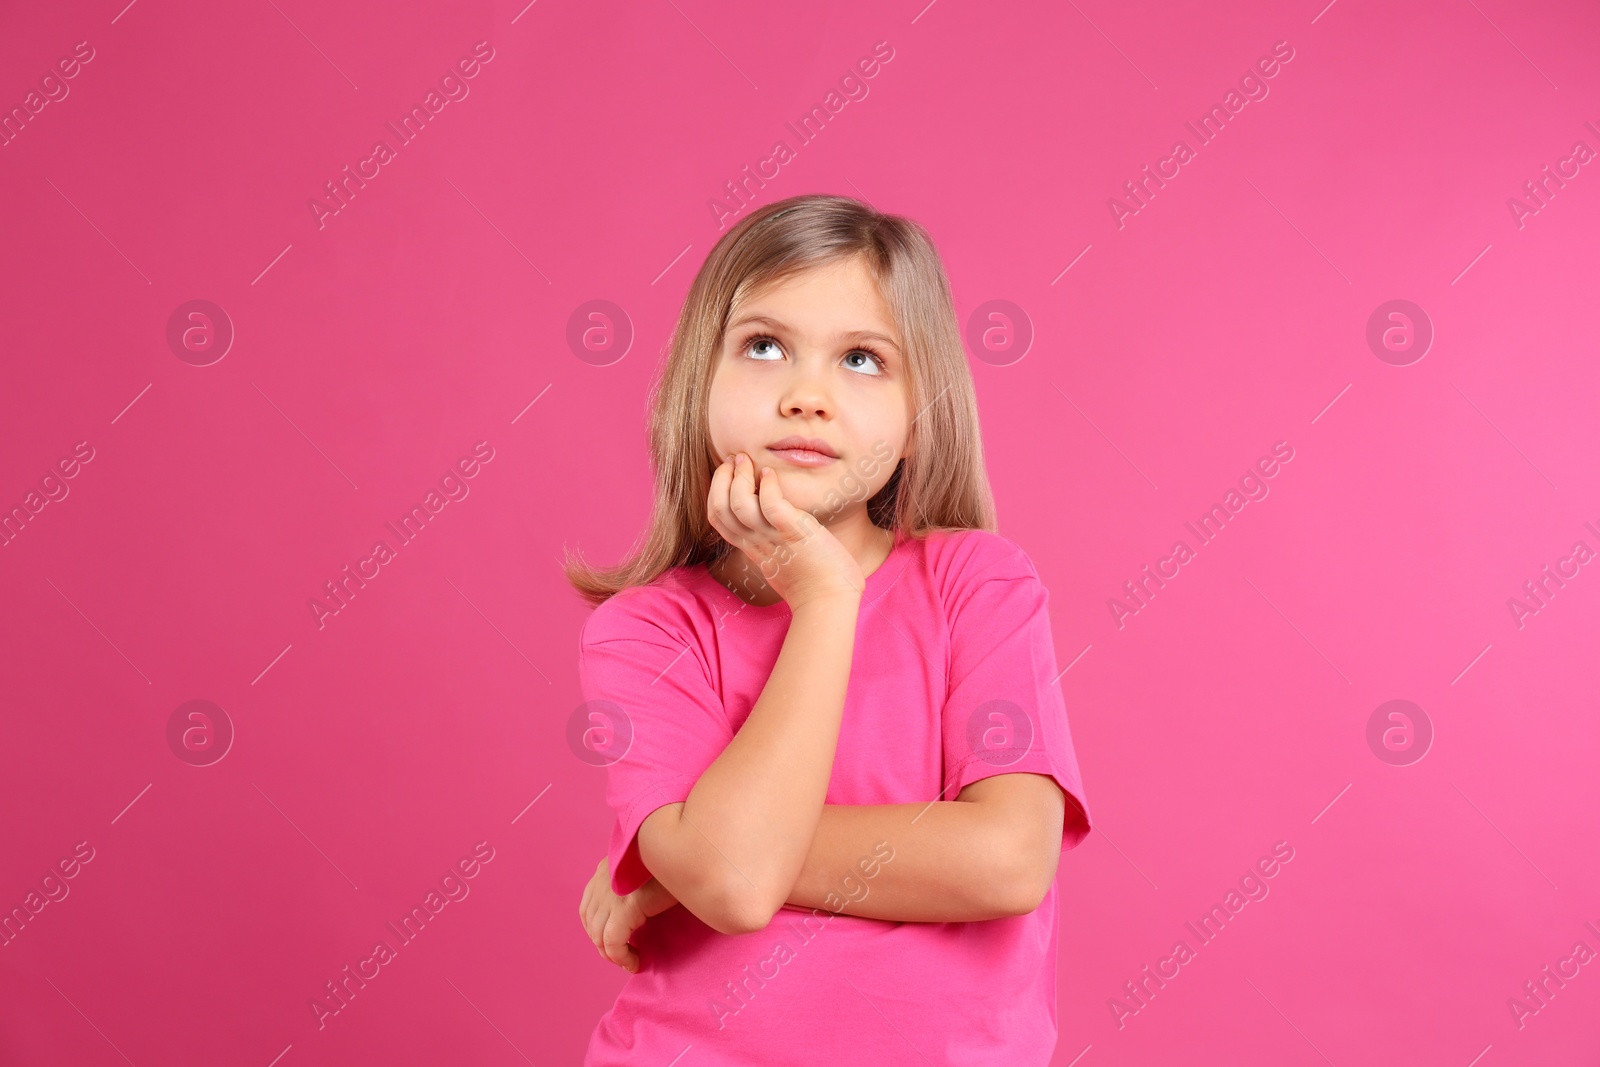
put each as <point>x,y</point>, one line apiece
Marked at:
<point>818,358</point>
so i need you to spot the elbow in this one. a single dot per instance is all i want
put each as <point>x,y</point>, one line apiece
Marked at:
<point>1027,880</point>
<point>723,908</point>
<point>732,922</point>
<point>739,911</point>
<point>1021,895</point>
<point>726,902</point>
<point>1028,897</point>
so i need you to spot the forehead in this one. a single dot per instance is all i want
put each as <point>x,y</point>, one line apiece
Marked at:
<point>829,301</point>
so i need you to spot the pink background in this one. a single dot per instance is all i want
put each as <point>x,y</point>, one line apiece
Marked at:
<point>432,312</point>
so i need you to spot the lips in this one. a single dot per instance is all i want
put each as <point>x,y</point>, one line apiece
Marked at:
<point>804,444</point>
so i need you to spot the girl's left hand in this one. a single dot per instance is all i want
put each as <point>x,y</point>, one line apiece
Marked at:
<point>610,920</point>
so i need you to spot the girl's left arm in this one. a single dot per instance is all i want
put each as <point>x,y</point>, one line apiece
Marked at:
<point>990,853</point>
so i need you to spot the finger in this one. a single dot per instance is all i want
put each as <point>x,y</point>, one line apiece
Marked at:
<point>617,949</point>
<point>598,924</point>
<point>784,517</point>
<point>718,513</point>
<point>742,498</point>
<point>772,501</point>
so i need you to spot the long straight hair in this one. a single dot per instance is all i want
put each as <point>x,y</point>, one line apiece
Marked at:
<point>941,485</point>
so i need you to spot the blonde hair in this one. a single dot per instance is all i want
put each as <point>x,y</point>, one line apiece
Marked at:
<point>942,485</point>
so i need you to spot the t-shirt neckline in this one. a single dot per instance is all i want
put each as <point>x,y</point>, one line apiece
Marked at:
<point>877,582</point>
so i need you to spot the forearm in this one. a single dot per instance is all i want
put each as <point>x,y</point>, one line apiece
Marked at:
<point>747,821</point>
<point>952,864</point>
<point>873,861</point>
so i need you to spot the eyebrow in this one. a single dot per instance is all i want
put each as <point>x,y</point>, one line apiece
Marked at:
<point>853,335</point>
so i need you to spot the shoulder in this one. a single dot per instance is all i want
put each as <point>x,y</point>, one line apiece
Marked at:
<point>664,610</point>
<point>987,581</point>
<point>962,558</point>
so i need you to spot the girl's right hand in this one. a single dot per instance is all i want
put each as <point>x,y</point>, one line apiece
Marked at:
<point>610,920</point>
<point>798,556</point>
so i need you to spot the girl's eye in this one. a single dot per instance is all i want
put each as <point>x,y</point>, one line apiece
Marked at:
<point>876,361</point>
<point>752,346</point>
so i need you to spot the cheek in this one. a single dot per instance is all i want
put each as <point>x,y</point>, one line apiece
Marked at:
<point>889,428</point>
<point>730,417</point>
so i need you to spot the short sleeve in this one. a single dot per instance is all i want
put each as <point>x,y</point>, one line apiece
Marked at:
<point>660,721</point>
<point>1004,712</point>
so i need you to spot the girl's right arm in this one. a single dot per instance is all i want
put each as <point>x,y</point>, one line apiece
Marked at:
<point>732,851</point>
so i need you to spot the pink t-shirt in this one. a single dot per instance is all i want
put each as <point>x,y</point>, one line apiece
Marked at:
<point>953,679</point>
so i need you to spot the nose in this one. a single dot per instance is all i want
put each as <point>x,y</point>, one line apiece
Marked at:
<point>805,392</point>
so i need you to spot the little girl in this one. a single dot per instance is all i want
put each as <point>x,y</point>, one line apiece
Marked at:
<point>826,688</point>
